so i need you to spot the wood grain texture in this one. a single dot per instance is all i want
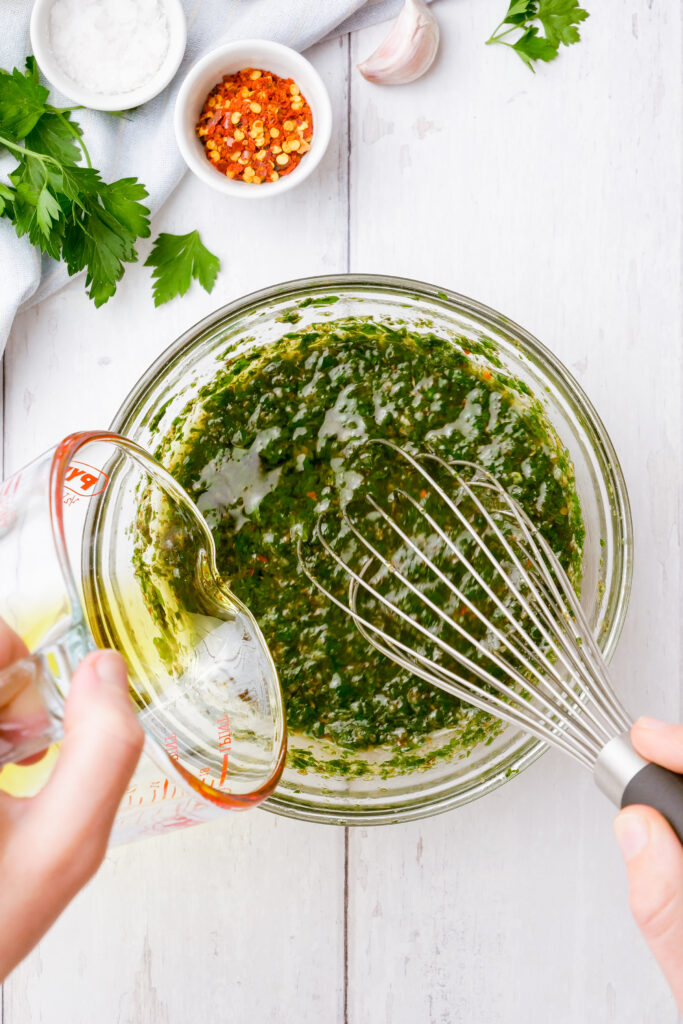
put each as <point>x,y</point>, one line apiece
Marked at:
<point>555,198</point>
<point>241,919</point>
<point>233,920</point>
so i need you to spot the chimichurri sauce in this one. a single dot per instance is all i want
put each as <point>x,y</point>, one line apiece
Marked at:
<point>269,444</point>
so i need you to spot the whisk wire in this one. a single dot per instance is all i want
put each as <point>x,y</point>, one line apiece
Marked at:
<point>455,684</point>
<point>556,694</point>
<point>604,697</point>
<point>554,682</point>
<point>562,651</point>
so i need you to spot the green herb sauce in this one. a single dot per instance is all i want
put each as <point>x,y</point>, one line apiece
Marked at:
<point>269,444</point>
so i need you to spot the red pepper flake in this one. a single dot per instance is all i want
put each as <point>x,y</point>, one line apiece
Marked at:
<point>255,126</point>
<point>423,494</point>
<point>312,495</point>
<point>262,558</point>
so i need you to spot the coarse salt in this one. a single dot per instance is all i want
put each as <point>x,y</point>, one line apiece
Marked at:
<point>109,46</point>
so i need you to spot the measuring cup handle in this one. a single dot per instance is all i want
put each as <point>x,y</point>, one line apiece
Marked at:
<point>30,710</point>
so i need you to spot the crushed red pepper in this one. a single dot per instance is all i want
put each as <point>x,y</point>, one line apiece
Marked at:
<point>255,126</point>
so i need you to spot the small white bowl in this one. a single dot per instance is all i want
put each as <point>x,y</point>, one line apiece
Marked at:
<point>227,60</point>
<point>42,48</point>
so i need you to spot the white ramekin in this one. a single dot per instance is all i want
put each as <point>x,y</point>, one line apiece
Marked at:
<point>40,42</point>
<point>227,60</point>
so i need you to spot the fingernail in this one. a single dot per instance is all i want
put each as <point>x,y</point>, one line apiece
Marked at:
<point>651,723</point>
<point>632,832</point>
<point>111,669</point>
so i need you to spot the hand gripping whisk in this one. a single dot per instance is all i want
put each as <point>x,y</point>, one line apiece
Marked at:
<point>444,573</point>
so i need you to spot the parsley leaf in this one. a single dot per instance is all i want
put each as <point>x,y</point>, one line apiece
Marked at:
<point>122,200</point>
<point>92,243</point>
<point>5,194</point>
<point>106,220</point>
<point>55,135</point>
<point>531,47</point>
<point>558,19</point>
<point>22,100</point>
<point>48,211</point>
<point>69,212</point>
<point>177,259</point>
<point>518,12</point>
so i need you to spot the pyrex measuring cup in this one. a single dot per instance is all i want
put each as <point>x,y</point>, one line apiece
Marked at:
<point>99,547</point>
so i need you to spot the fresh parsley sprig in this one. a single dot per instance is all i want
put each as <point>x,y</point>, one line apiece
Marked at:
<point>68,211</point>
<point>177,259</point>
<point>558,20</point>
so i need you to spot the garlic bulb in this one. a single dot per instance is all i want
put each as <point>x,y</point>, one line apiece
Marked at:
<point>409,49</point>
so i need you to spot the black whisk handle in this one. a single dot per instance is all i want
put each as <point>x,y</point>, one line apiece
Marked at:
<point>659,788</point>
<point>627,778</point>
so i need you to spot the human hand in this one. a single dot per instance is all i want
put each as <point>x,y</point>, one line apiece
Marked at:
<point>654,858</point>
<point>53,843</point>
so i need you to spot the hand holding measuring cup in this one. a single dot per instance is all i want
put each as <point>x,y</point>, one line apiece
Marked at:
<point>50,846</point>
<point>100,548</point>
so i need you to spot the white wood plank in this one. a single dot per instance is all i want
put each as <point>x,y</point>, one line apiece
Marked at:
<point>240,919</point>
<point>556,198</point>
<point>228,921</point>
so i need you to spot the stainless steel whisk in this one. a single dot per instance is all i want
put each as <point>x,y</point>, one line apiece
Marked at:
<point>470,597</point>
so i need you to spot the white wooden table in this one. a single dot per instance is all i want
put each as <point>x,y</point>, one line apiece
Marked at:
<point>557,200</point>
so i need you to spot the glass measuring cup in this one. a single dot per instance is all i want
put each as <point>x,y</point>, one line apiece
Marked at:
<point>99,547</point>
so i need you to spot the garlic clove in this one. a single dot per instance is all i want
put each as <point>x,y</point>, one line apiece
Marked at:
<point>409,49</point>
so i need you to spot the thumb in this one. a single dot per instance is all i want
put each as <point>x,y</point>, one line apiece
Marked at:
<point>654,864</point>
<point>101,746</point>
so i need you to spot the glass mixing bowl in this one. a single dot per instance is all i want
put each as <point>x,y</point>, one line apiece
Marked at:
<point>259,319</point>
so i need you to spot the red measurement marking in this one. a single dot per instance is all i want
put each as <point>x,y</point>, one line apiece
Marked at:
<point>7,515</point>
<point>7,511</point>
<point>177,821</point>
<point>224,744</point>
<point>205,777</point>
<point>150,793</point>
<point>224,734</point>
<point>171,744</point>
<point>10,487</point>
